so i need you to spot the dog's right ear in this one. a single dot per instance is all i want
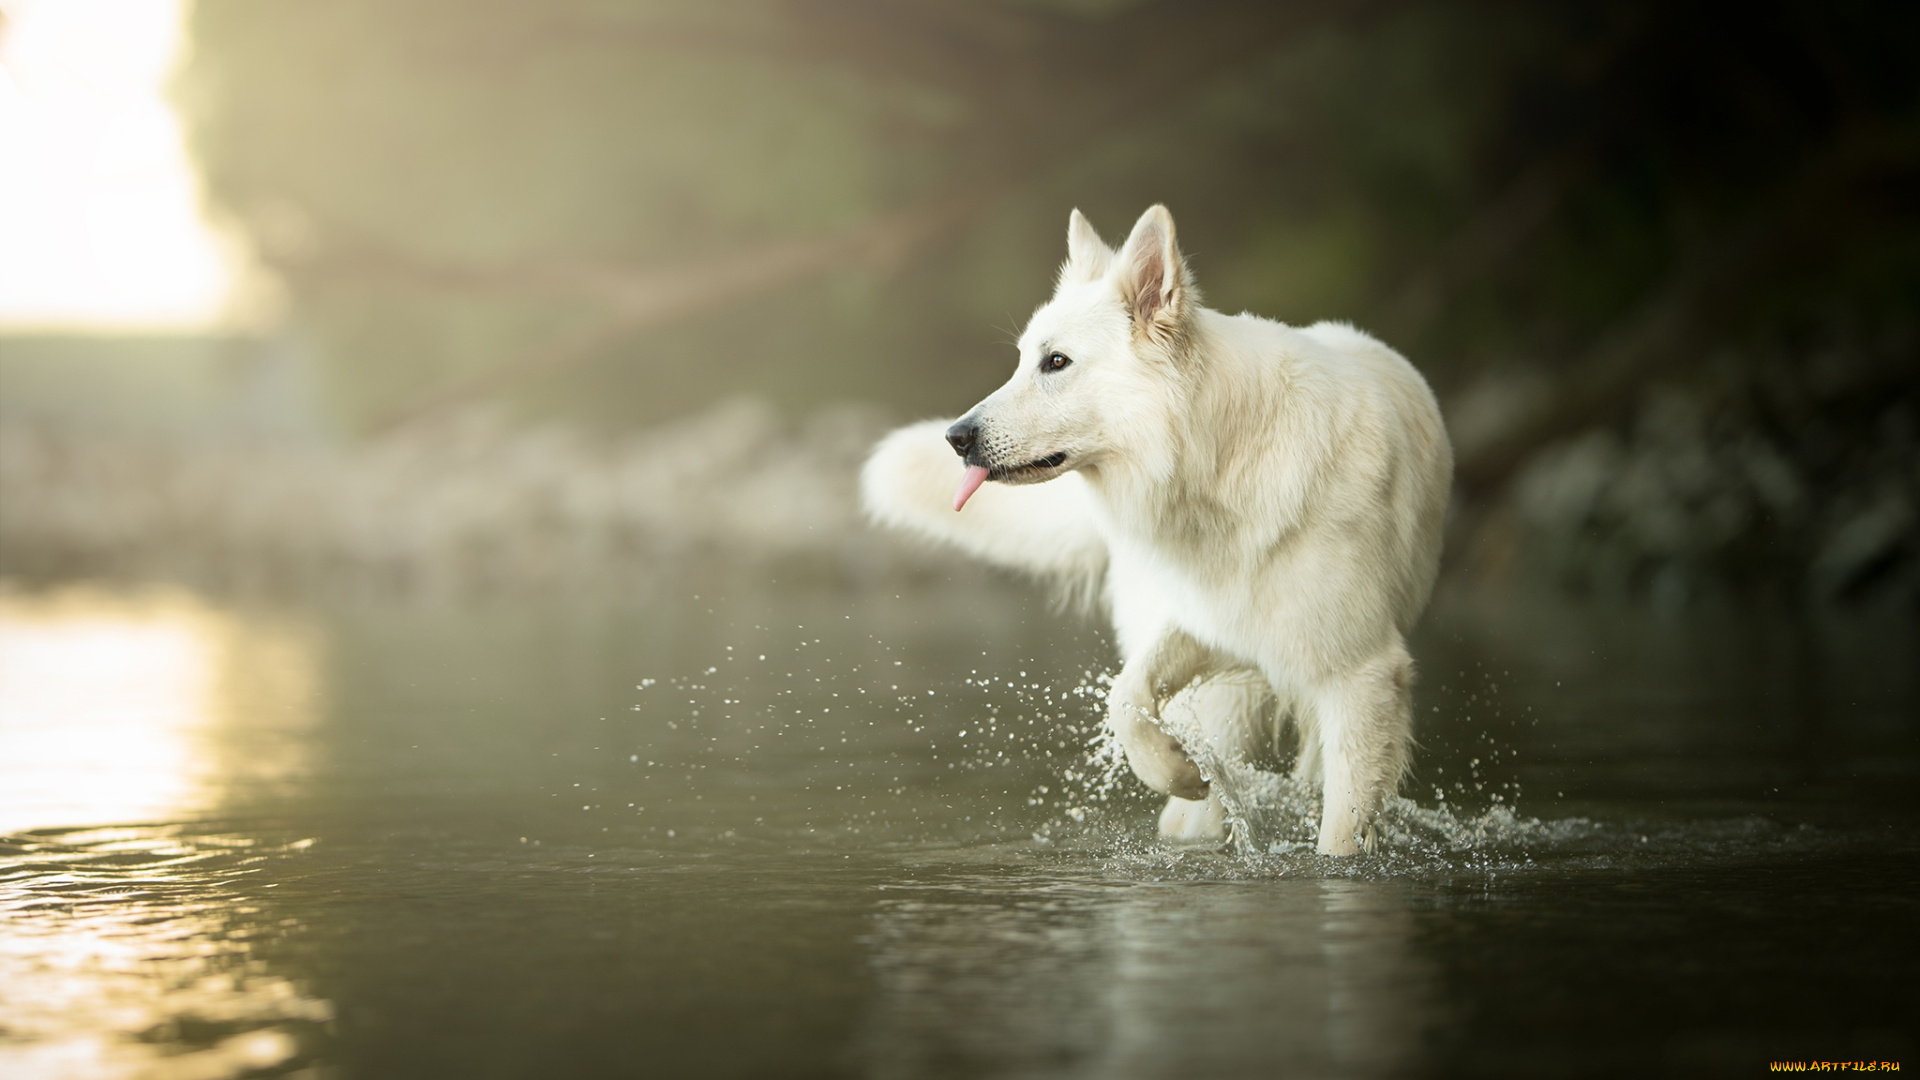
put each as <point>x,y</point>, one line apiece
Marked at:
<point>1153,277</point>
<point>1088,256</point>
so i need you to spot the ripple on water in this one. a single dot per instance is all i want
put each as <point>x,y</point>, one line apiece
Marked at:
<point>130,952</point>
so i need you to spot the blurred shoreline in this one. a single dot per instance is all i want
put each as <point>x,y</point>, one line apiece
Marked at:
<point>462,505</point>
<point>215,464</point>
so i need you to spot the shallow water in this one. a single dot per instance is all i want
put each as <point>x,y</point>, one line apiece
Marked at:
<point>758,832</point>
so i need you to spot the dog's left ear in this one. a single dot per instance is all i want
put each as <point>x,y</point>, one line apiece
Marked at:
<point>1152,275</point>
<point>1088,256</point>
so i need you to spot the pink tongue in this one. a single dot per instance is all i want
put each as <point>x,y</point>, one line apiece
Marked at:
<point>970,483</point>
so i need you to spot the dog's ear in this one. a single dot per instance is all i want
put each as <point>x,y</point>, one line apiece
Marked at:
<point>1088,256</point>
<point>1152,275</point>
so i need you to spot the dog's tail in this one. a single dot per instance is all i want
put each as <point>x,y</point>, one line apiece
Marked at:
<point>1045,530</point>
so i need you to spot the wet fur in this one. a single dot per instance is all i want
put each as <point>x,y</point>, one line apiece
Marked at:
<point>1259,506</point>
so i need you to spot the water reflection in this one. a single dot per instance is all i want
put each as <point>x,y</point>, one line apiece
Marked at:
<point>127,952</point>
<point>789,859</point>
<point>128,937</point>
<point>118,708</point>
<point>1107,980</point>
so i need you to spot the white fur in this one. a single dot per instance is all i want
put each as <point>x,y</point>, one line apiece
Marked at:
<point>1260,505</point>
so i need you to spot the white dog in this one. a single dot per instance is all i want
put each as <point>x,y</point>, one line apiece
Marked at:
<point>1261,507</point>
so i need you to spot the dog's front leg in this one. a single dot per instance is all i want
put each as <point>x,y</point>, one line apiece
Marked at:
<point>1364,725</point>
<point>1145,683</point>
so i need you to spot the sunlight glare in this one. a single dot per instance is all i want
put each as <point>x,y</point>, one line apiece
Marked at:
<point>100,221</point>
<point>126,721</point>
<point>117,711</point>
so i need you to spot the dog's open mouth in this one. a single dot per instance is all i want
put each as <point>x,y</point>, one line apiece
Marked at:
<point>976,475</point>
<point>1051,461</point>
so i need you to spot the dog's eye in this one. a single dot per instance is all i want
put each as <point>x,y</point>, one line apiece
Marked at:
<point>1054,362</point>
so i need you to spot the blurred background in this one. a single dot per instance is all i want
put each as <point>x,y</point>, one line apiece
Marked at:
<point>438,636</point>
<point>457,297</point>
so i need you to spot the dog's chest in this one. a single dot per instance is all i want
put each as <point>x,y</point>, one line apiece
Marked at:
<point>1153,587</point>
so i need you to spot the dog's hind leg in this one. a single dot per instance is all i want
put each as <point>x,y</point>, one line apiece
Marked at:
<point>1364,722</point>
<point>1194,821</point>
<point>1306,757</point>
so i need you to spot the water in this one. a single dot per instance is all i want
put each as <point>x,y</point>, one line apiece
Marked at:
<point>742,830</point>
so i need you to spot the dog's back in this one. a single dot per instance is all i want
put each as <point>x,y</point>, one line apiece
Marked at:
<point>1400,459</point>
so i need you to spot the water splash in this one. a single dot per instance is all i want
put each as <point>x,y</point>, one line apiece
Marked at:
<point>1275,813</point>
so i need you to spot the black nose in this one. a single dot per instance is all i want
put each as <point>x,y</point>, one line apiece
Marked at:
<point>962,435</point>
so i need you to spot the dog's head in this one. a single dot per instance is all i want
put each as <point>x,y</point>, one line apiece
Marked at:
<point>1098,364</point>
